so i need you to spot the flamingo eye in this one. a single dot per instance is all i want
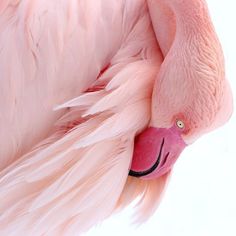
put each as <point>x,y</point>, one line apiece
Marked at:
<point>180,124</point>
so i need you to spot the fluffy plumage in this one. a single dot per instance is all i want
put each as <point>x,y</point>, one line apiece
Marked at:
<point>77,82</point>
<point>67,176</point>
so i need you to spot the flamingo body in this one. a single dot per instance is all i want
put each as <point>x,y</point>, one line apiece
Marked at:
<point>79,80</point>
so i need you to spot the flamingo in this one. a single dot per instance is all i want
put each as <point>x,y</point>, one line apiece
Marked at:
<point>98,99</point>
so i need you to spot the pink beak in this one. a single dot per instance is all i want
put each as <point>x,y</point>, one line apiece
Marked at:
<point>155,152</point>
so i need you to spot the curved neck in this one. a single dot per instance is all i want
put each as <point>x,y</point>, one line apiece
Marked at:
<point>191,16</point>
<point>185,8</point>
<point>182,18</point>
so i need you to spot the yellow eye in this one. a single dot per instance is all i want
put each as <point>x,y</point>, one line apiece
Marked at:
<point>180,124</point>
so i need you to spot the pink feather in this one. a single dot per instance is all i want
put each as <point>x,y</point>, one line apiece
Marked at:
<point>79,80</point>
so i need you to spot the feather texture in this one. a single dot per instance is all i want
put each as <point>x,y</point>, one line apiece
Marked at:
<point>77,85</point>
<point>67,176</point>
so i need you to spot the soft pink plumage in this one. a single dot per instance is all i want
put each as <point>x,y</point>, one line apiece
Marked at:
<point>78,81</point>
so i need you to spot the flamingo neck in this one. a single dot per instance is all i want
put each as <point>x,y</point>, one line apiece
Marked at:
<point>192,17</point>
<point>176,21</point>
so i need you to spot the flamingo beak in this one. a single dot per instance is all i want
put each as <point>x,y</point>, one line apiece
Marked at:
<point>155,152</point>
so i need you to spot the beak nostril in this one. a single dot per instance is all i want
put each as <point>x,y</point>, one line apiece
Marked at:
<point>165,159</point>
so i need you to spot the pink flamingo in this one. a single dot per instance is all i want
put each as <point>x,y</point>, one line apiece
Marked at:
<point>80,82</point>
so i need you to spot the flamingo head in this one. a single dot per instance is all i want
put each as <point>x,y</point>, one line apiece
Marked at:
<point>190,98</point>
